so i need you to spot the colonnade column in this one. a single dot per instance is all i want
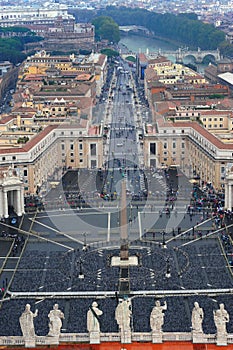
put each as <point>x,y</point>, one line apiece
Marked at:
<point>226,196</point>
<point>5,204</point>
<point>22,199</point>
<point>230,196</point>
<point>1,204</point>
<point>18,202</point>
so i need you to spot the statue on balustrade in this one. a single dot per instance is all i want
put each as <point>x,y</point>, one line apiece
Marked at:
<point>157,316</point>
<point>26,321</point>
<point>123,314</point>
<point>93,324</point>
<point>197,318</point>
<point>221,318</point>
<point>55,321</point>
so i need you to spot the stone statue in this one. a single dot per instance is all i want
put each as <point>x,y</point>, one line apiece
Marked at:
<point>55,321</point>
<point>123,314</point>
<point>197,318</point>
<point>93,314</point>
<point>221,318</point>
<point>26,321</point>
<point>157,316</point>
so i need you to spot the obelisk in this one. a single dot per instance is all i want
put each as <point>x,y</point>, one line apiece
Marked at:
<point>124,280</point>
<point>124,249</point>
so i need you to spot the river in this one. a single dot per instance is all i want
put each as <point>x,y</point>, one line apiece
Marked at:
<point>137,43</point>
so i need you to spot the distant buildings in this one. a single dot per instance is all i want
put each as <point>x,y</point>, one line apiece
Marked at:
<point>193,121</point>
<point>50,128</point>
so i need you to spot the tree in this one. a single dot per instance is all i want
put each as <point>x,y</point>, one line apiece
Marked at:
<point>110,53</point>
<point>106,28</point>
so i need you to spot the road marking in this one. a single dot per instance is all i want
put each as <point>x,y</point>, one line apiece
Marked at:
<point>140,225</point>
<point>109,226</point>
<point>59,232</point>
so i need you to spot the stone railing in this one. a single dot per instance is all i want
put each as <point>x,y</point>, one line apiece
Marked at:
<point>109,337</point>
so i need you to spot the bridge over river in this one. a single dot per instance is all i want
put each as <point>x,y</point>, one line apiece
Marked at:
<point>179,55</point>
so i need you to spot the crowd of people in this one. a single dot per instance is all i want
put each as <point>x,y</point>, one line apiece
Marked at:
<point>195,266</point>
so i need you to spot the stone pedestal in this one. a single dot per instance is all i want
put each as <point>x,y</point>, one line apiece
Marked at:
<point>30,342</point>
<point>94,337</point>
<point>198,337</point>
<point>53,340</point>
<point>221,339</point>
<point>157,337</point>
<point>126,337</point>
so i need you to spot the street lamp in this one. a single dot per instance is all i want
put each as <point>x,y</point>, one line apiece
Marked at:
<point>80,275</point>
<point>84,241</point>
<point>168,269</point>
<point>164,242</point>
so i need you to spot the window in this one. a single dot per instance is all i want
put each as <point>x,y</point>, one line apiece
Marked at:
<point>71,146</point>
<point>165,145</point>
<point>72,161</point>
<point>62,147</point>
<point>13,157</point>
<point>152,148</point>
<point>3,158</point>
<point>182,145</point>
<point>25,172</point>
<point>93,149</point>
<point>81,160</point>
<point>173,145</point>
<point>71,154</point>
<point>93,163</point>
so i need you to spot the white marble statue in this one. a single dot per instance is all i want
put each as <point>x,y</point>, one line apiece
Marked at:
<point>93,314</point>
<point>221,318</point>
<point>55,321</point>
<point>26,321</point>
<point>123,314</point>
<point>157,316</point>
<point>197,318</point>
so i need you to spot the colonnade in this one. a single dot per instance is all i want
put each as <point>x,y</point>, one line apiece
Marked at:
<point>229,189</point>
<point>11,193</point>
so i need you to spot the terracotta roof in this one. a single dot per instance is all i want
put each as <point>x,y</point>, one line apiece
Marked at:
<point>30,144</point>
<point>142,58</point>
<point>101,59</point>
<point>6,119</point>
<point>211,112</point>
<point>201,130</point>
<point>159,59</point>
<point>93,130</point>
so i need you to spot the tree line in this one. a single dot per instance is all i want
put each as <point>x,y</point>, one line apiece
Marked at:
<point>185,29</point>
<point>12,47</point>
